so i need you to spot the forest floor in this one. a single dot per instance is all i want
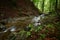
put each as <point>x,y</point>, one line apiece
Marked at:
<point>50,30</point>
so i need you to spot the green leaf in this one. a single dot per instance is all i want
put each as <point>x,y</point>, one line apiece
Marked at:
<point>43,35</point>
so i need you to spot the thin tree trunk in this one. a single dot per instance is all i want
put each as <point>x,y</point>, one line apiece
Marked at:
<point>56,5</point>
<point>43,6</point>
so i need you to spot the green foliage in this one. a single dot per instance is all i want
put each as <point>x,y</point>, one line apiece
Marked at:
<point>50,25</point>
<point>42,36</point>
<point>28,34</point>
<point>46,5</point>
<point>39,28</point>
<point>36,29</point>
<point>58,4</point>
<point>24,34</point>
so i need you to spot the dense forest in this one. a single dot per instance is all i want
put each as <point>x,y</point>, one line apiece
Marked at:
<point>29,19</point>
